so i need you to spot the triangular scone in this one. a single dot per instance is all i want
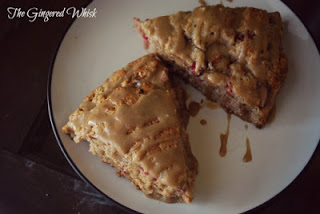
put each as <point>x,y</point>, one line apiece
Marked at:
<point>136,121</point>
<point>232,55</point>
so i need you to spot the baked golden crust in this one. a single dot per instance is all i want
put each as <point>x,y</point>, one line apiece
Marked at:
<point>232,55</point>
<point>136,121</point>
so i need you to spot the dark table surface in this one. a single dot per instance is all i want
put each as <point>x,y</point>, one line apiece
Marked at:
<point>35,176</point>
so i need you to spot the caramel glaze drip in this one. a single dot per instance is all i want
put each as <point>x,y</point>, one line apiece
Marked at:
<point>211,105</point>
<point>203,122</point>
<point>248,155</point>
<point>134,121</point>
<point>194,108</point>
<point>224,138</point>
<point>272,114</point>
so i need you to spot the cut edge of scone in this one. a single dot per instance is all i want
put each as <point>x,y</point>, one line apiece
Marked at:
<point>234,57</point>
<point>151,150</point>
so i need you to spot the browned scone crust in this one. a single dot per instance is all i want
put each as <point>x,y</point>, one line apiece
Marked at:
<point>232,55</point>
<point>135,121</point>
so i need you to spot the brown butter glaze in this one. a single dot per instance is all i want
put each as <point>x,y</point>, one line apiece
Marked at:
<point>245,41</point>
<point>194,108</point>
<point>224,138</point>
<point>272,114</point>
<point>211,105</point>
<point>203,122</point>
<point>248,155</point>
<point>133,122</point>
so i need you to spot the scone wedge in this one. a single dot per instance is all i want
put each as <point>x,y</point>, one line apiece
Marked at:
<point>136,122</point>
<point>232,55</point>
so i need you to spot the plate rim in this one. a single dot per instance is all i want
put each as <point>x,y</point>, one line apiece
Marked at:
<point>78,171</point>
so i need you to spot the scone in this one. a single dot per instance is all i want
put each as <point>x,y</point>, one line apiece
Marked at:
<point>232,55</point>
<point>136,122</point>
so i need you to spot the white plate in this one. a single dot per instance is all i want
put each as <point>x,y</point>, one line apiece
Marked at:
<point>93,48</point>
